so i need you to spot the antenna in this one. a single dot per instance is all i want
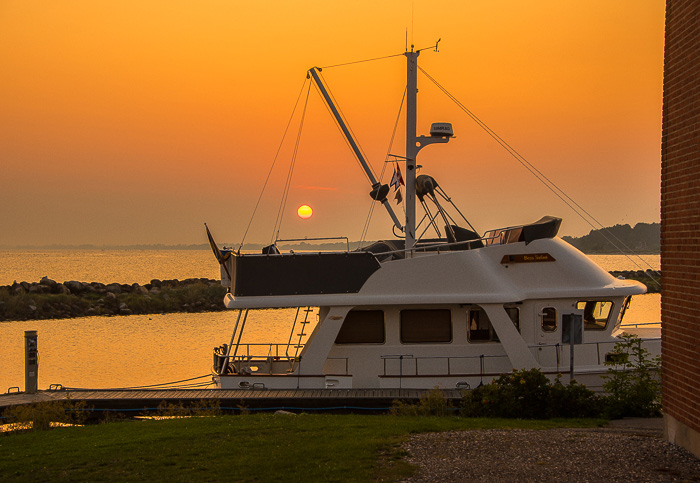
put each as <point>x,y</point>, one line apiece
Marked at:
<point>413,5</point>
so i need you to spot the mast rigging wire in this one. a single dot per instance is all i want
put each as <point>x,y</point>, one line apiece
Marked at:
<point>558,192</point>
<point>361,61</point>
<point>381,176</point>
<point>285,194</point>
<point>279,148</point>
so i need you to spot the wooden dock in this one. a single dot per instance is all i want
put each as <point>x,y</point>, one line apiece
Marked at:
<point>228,399</point>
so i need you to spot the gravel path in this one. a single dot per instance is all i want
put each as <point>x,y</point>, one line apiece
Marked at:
<point>572,455</point>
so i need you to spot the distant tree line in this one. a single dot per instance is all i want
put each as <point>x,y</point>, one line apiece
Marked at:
<point>643,238</point>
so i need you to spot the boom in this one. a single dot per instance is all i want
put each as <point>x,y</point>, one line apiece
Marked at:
<point>379,191</point>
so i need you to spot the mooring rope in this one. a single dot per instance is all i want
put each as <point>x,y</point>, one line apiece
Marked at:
<point>151,386</point>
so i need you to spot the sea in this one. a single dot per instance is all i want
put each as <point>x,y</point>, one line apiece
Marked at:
<point>165,349</point>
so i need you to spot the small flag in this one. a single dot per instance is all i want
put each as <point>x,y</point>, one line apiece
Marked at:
<point>398,197</point>
<point>397,179</point>
<point>220,256</point>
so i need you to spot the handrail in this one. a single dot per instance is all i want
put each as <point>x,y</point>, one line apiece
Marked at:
<point>639,324</point>
<point>428,247</point>
<point>401,357</point>
<point>270,346</point>
<point>347,241</point>
<point>531,346</point>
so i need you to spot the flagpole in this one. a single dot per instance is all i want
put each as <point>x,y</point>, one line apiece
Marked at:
<point>217,253</point>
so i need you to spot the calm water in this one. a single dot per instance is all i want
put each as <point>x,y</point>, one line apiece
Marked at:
<point>120,266</point>
<point>141,266</point>
<point>104,352</point>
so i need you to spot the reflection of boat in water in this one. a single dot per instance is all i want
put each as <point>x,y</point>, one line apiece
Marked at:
<point>449,311</point>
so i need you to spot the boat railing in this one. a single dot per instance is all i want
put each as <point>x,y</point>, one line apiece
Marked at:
<point>250,350</point>
<point>325,238</point>
<point>443,365</point>
<point>602,348</point>
<point>640,325</point>
<point>435,248</point>
<point>492,237</point>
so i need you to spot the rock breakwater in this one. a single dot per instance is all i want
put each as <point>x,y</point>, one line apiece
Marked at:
<point>650,278</point>
<point>48,299</point>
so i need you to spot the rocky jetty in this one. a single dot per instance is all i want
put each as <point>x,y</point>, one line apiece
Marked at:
<point>48,299</point>
<point>650,278</point>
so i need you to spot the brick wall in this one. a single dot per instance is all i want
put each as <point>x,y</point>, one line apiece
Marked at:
<point>680,214</point>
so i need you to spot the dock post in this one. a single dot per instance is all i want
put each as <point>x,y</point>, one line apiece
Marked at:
<point>31,362</point>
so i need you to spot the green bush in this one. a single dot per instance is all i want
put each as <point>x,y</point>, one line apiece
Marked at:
<point>574,400</point>
<point>528,394</point>
<point>632,381</point>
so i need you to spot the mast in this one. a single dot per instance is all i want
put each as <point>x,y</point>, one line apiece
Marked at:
<point>411,147</point>
<point>439,133</point>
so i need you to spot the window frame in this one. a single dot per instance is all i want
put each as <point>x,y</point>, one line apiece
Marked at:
<point>405,323</point>
<point>595,325</point>
<point>492,336</point>
<point>355,342</point>
<point>543,315</point>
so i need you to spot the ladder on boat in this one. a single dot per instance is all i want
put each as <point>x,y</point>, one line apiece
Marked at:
<point>297,345</point>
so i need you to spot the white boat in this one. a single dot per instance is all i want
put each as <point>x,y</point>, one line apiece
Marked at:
<point>452,311</point>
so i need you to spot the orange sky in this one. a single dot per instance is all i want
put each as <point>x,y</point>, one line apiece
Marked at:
<point>125,122</point>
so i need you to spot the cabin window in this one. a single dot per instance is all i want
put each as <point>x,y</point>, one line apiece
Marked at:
<point>480,329</point>
<point>426,326</point>
<point>549,319</point>
<point>514,314</point>
<point>595,313</point>
<point>362,327</point>
<point>623,310</point>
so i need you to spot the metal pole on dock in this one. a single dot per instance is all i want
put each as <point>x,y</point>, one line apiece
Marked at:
<point>571,350</point>
<point>573,334</point>
<point>31,362</point>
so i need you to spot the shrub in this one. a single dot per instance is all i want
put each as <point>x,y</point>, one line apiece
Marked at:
<point>574,400</point>
<point>632,381</point>
<point>528,394</point>
<point>203,407</point>
<point>44,415</point>
<point>519,394</point>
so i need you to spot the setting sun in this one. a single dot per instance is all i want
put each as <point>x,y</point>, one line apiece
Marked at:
<point>305,211</point>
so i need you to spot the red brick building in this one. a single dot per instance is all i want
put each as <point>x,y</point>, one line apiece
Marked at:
<point>680,225</point>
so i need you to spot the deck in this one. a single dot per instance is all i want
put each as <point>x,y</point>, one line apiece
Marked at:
<point>228,399</point>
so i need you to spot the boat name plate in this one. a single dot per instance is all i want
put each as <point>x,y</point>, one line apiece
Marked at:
<point>527,258</point>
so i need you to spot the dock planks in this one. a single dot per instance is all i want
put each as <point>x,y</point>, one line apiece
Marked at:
<point>105,399</point>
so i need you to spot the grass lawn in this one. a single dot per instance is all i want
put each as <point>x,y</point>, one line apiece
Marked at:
<point>245,448</point>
